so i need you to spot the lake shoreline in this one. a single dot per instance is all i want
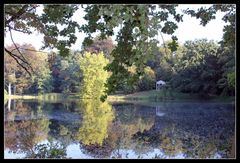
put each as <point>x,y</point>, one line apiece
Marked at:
<point>144,96</point>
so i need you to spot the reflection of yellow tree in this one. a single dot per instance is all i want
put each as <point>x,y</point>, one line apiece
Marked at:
<point>121,132</point>
<point>208,150</point>
<point>232,144</point>
<point>171,144</point>
<point>133,122</point>
<point>129,130</point>
<point>23,135</point>
<point>206,147</point>
<point>96,117</point>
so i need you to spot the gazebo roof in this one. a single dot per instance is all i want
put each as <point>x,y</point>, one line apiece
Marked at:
<point>161,82</point>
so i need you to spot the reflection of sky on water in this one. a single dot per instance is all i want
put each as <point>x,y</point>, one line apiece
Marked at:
<point>9,155</point>
<point>129,153</point>
<point>74,151</point>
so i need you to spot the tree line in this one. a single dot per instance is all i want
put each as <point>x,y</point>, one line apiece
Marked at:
<point>198,66</point>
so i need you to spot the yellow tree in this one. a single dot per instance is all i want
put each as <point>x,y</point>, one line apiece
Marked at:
<point>94,75</point>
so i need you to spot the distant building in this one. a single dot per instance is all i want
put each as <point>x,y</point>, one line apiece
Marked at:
<point>160,84</point>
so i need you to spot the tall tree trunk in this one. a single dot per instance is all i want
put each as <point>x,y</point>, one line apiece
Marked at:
<point>9,89</point>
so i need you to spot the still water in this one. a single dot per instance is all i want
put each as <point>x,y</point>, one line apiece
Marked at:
<point>91,129</point>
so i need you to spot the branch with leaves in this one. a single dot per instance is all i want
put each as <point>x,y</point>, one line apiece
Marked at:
<point>23,18</point>
<point>17,58</point>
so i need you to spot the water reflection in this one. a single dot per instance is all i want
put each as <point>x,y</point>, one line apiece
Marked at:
<point>92,129</point>
<point>22,135</point>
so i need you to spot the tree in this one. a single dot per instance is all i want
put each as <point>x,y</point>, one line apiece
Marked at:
<point>94,75</point>
<point>202,67</point>
<point>14,74</point>
<point>65,73</point>
<point>54,61</point>
<point>106,46</point>
<point>228,41</point>
<point>23,18</point>
<point>136,41</point>
<point>207,14</point>
<point>227,60</point>
<point>9,73</point>
<point>147,82</point>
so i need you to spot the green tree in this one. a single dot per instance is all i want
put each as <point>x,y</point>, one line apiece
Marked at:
<point>66,73</point>
<point>228,40</point>
<point>231,79</point>
<point>193,71</point>
<point>147,82</point>
<point>42,81</point>
<point>227,59</point>
<point>136,41</point>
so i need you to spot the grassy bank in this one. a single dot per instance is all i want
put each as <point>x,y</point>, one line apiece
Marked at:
<point>160,95</point>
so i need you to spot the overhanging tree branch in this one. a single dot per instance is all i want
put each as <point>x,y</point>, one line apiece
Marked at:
<point>29,50</point>
<point>24,60</point>
<point>13,56</point>
<point>18,30</point>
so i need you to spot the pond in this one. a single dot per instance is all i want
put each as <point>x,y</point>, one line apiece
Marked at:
<point>91,129</point>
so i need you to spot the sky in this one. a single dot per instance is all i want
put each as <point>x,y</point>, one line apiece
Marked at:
<point>189,29</point>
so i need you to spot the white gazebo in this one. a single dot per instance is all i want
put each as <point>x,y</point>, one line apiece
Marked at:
<point>160,84</point>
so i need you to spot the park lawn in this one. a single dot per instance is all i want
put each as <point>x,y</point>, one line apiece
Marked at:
<point>153,95</point>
